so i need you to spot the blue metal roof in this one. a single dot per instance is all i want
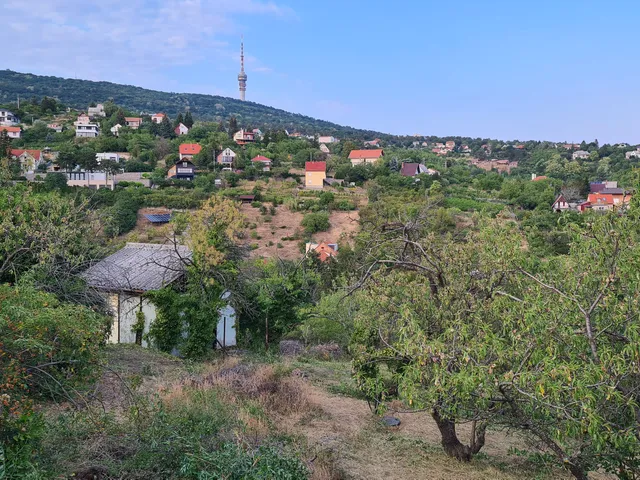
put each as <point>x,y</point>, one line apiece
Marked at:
<point>158,217</point>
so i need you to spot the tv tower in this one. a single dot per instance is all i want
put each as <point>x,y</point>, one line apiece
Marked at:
<point>242,77</point>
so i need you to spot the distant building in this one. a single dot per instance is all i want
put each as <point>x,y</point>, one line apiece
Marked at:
<point>597,187</point>
<point>188,150</point>
<point>108,156</point>
<point>324,250</point>
<point>133,123</point>
<point>242,137</point>
<point>97,111</point>
<point>87,130</point>
<point>116,129</point>
<point>327,139</point>
<point>226,159</point>
<point>314,175</point>
<point>373,143</point>
<point>633,154</point>
<point>538,178</point>
<point>570,146</point>
<point>367,157</point>
<point>263,161</point>
<point>450,145</point>
<point>501,166</point>
<point>55,126</point>
<point>83,119</point>
<point>413,169</point>
<point>608,199</point>
<point>157,117</point>
<point>324,148</point>
<point>182,170</point>
<point>29,159</point>
<point>12,132</point>
<point>580,154</point>
<point>7,118</point>
<point>181,129</point>
<point>93,180</point>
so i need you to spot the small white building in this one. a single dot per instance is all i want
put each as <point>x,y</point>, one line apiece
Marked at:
<point>580,154</point>
<point>97,111</point>
<point>633,154</point>
<point>56,127</point>
<point>116,129</point>
<point>108,156</point>
<point>124,277</point>
<point>157,117</point>
<point>327,139</point>
<point>181,129</point>
<point>87,130</point>
<point>8,119</point>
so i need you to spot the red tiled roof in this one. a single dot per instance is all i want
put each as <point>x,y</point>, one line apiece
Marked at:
<point>133,119</point>
<point>607,198</point>
<point>261,158</point>
<point>315,166</point>
<point>541,177</point>
<point>190,149</point>
<point>36,154</point>
<point>10,129</point>
<point>158,115</point>
<point>360,154</point>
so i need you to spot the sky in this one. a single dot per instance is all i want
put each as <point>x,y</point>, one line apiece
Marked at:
<point>528,70</point>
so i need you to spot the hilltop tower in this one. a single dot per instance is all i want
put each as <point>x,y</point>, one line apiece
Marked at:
<point>242,77</point>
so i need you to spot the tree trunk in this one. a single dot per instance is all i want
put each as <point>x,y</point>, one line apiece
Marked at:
<point>450,443</point>
<point>477,436</point>
<point>577,471</point>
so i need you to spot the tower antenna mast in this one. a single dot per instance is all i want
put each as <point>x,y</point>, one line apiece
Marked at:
<point>242,76</point>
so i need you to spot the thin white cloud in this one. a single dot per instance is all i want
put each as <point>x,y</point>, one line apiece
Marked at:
<point>125,40</point>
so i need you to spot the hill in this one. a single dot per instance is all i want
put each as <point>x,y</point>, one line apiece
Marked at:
<point>80,93</point>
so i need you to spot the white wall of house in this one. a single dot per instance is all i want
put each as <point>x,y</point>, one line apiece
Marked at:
<point>124,308</point>
<point>226,331</point>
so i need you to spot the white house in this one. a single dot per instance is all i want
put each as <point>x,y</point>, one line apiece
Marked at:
<point>56,127</point>
<point>157,117</point>
<point>108,156</point>
<point>580,154</point>
<point>181,129</point>
<point>226,159</point>
<point>116,129</point>
<point>29,159</point>
<point>327,139</point>
<point>7,118</point>
<point>87,130</point>
<point>324,148</point>
<point>633,154</point>
<point>124,277</point>
<point>12,132</point>
<point>97,111</point>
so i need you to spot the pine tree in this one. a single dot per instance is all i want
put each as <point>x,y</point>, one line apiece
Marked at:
<point>165,128</point>
<point>179,120</point>
<point>221,127</point>
<point>188,120</point>
<point>233,126</point>
<point>120,118</point>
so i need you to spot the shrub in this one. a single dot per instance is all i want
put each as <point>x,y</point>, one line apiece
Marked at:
<point>316,222</point>
<point>256,204</point>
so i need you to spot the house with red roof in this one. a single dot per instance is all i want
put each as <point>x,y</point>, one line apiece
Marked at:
<point>12,132</point>
<point>29,159</point>
<point>315,174</point>
<point>188,150</point>
<point>157,117</point>
<point>262,160</point>
<point>242,137</point>
<point>324,250</point>
<point>607,199</point>
<point>133,123</point>
<point>373,143</point>
<point>366,157</point>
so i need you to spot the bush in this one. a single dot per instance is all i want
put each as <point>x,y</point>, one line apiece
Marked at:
<point>47,349</point>
<point>316,222</point>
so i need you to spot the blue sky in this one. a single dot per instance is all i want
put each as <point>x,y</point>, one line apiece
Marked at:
<point>556,70</point>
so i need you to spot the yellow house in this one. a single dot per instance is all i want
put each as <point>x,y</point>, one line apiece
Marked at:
<point>314,175</point>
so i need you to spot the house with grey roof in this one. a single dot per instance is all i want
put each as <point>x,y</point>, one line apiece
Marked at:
<point>126,276</point>
<point>580,154</point>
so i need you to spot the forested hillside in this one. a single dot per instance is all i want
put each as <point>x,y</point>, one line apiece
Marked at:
<point>80,93</point>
